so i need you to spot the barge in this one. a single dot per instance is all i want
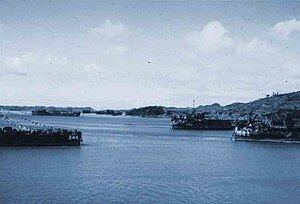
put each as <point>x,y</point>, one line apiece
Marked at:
<point>10,136</point>
<point>198,121</point>
<point>266,134</point>
<point>45,112</point>
<point>281,126</point>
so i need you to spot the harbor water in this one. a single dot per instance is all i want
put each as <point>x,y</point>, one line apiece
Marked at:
<point>141,160</point>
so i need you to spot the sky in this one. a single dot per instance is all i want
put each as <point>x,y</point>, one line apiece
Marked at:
<point>124,54</point>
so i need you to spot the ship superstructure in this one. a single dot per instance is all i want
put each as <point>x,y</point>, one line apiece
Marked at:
<point>24,132</point>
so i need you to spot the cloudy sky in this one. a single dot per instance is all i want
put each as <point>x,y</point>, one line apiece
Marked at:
<point>123,54</point>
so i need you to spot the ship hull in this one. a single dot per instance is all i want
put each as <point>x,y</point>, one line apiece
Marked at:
<point>57,114</point>
<point>204,125</point>
<point>272,136</point>
<point>39,138</point>
<point>34,144</point>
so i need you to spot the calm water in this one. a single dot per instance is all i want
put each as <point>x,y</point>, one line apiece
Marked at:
<point>140,160</point>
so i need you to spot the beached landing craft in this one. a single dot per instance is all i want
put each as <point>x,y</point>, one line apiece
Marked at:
<point>45,112</point>
<point>198,121</point>
<point>35,134</point>
<point>50,137</point>
<point>282,126</point>
<point>268,134</point>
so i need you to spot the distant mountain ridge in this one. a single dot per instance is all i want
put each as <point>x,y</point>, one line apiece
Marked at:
<point>256,108</point>
<point>32,108</point>
<point>269,104</point>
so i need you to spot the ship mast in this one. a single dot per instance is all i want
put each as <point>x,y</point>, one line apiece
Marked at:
<point>193,109</point>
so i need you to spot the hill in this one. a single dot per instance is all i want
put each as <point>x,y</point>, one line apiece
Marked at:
<point>257,108</point>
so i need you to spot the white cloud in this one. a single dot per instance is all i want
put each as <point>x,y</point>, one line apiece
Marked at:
<point>283,29</point>
<point>92,69</point>
<point>100,70</point>
<point>52,59</point>
<point>108,29</point>
<point>2,26</point>
<point>12,65</point>
<point>255,48</point>
<point>250,69</point>
<point>270,44</point>
<point>261,65</point>
<point>91,66</point>
<point>29,57</point>
<point>30,62</point>
<point>116,50</point>
<point>211,39</point>
<point>12,61</point>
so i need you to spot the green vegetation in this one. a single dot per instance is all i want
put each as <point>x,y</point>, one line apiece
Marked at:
<point>148,111</point>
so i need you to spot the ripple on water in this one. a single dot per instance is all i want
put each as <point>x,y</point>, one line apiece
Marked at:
<point>133,160</point>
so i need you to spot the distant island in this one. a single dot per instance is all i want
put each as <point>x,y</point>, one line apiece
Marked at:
<point>271,103</point>
<point>48,108</point>
<point>234,111</point>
